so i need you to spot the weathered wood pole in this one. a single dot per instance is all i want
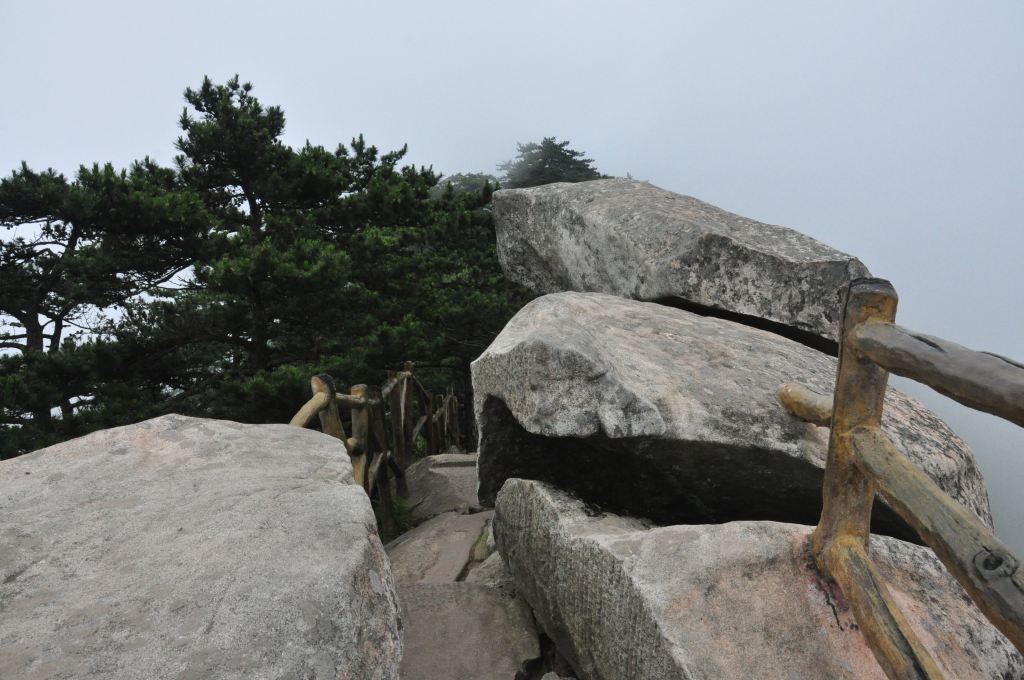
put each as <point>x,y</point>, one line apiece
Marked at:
<point>330,415</point>
<point>396,404</point>
<point>840,541</point>
<point>359,445</point>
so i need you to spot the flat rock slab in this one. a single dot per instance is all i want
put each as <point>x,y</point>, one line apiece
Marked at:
<point>661,413</point>
<point>439,550</point>
<point>442,483</point>
<point>736,600</point>
<point>190,548</point>
<point>635,240</point>
<point>466,631</point>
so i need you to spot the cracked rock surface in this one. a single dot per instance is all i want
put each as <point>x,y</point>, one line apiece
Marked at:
<point>635,240</point>
<point>657,412</point>
<point>704,602</point>
<point>191,548</point>
<point>438,550</point>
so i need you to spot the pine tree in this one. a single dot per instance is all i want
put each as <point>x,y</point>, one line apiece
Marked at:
<point>299,261</point>
<point>76,250</point>
<point>350,267</point>
<point>545,163</point>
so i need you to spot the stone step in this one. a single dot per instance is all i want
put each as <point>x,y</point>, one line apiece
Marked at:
<point>466,631</point>
<point>437,551</point>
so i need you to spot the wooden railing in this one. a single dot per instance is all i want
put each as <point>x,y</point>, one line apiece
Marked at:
<point>387,425</point>
<point>862,462</point>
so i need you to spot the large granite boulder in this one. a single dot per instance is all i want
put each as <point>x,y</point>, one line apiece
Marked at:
<point>189,548</point>
<point>658,412</point>
<point>635,240</point>
<point>739,600</point>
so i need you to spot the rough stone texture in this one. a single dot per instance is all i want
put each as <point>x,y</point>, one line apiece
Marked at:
<point>442,483</point>
<point>493,573</point>
<point>478,628</point>
<point>635,240</point>
<point>662,413</point>
<point>465,630</point>
<point>438,550</point>
<point>188,548</point>
<point>736,600</point>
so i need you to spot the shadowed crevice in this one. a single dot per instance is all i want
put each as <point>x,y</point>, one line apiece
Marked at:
<point>806,338</point>
<point>666,481</point>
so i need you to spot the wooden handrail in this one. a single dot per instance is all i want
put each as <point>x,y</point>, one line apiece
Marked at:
<point>391,384</point>
<point>353,401</point>
<point>982,564</point>
<point>896,647</point>
<point>862,461</point>
<point>806,404</point>
<point>385,426</point>
<point>983,381</point>
<point>305,415</point>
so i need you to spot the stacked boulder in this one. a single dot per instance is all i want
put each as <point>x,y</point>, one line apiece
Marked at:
<point>653,499</point>
<point>192,548</point>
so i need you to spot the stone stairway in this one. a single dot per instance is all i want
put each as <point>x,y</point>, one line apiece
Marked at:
<point>461,615</point>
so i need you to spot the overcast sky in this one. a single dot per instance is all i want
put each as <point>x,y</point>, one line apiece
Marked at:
<point>890,130</point>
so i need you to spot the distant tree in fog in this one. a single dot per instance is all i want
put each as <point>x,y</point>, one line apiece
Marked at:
<point>545,163</point>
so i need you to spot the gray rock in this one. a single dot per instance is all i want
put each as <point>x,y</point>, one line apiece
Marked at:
<point>736,600</point>
<point>635,240</point>
<point>437,551</point>
<point>442,483</point>
<point>658,412</point>
<point>466,631</point>
<point>493,573</point>
<point>189,548</point>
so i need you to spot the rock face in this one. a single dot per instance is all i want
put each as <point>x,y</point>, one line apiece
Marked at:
<point>442,483</point>
<point>465,630</point>
<point>635,240</point>
<point>454,628</point>
<point>492,572</point>
<point>657,412</point>
<point>189,548</point>
<point>437,551</point>
<point>623,600</point>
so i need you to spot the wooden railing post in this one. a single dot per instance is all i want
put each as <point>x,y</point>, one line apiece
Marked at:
<point>360,437</point>
<point>863,461</point>
<point>408,419</point>
<point>432,429</point>
<point>860,390</point>
<point>456,423</point>
<point>330,417</point>
<point>377,450</point>
<point>396,403</point>
<point>378,472</point>
<point>840,541</point>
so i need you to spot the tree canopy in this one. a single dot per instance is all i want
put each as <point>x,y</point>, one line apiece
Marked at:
<point>294,261</point>
<point>73,251</point>
<point>545,163</point>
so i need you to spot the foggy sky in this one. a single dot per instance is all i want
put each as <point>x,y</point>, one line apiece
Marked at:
<point>892,131</point>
